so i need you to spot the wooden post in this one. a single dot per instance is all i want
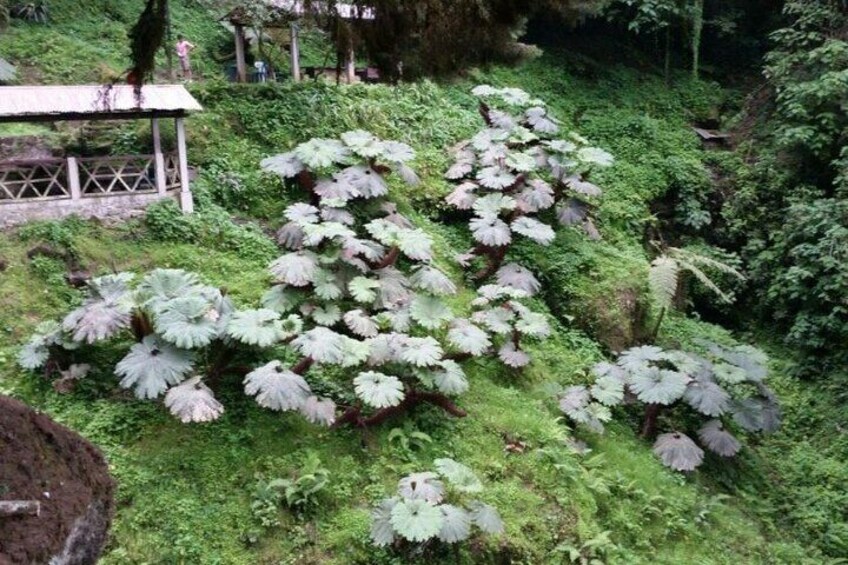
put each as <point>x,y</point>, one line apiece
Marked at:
<point>295,52</point>
<point>10,508</point>
<point>74,179</point>
<point>241,64</point>
<point>158,158</point>
<point>186,200</point>
<point>350,67</point>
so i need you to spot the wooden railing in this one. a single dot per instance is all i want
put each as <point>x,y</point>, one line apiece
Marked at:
<point>113,175</point>
<point>74,178</point>
<point>34,179</point>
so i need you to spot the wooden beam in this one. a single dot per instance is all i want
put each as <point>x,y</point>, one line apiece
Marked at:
<point>295,52</point>
<point>158,157</point>
<point>11,508</point>
<point>186,199</point>
<point>241,64</point>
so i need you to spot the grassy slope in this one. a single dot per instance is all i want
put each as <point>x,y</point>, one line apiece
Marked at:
<point>185,492</point>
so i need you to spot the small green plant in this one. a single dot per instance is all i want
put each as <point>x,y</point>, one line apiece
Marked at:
<point>300,493</point>
<point>408,441</point>
<point>726,386</point>
<point>427,509</point>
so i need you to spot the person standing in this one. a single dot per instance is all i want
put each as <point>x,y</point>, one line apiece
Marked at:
<point>184,49</point>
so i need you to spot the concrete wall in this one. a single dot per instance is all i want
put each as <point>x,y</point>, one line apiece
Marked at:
<point>105,207</point>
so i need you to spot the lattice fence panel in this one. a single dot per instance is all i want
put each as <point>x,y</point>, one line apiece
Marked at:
<point>172,170</point>
<point>34,180</point>
<point>115,175</point>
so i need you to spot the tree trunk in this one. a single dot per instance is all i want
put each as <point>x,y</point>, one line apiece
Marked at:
<point>169,54</point>
<point>697,31</point>
<point>667,68</point>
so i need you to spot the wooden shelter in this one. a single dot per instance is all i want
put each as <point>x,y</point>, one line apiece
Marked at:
<point>288,13</point>
<point>94,186</point>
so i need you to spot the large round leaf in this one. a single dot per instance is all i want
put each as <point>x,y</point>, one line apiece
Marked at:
<point>416,520</point>
<point>193,401</point>
<point>678,451</point>
<point>152,366</point>
<point>378,390</point>
<point>718,440</point>
<point>277,388</point>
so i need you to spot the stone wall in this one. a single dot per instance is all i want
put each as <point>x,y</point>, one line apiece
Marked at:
<point>105,207</point>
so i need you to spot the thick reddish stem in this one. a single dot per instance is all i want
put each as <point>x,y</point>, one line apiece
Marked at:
<point>649,426</point>
<point>413,398</point>
<point>141,326</point>
<point>494,259</point>
<point>303,365</point>
<point>484,112</point>
<point>390,259</point>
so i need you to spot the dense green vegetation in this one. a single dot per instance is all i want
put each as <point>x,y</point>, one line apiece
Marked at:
<point>210,493</point>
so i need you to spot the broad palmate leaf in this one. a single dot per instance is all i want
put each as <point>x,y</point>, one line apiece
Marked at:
<point>277,388</point>
<point>152,366</point>
<point>456,524</point>
<point>461,477</point>
<point>416,520</point>
<point>718,440</point>
<point>678,451</point>
<point>422,486</point>
<point>382,531</point>
<point>262,328</point>
<point>193,401</point>
<point>486,518</point>
<point>378,390</point>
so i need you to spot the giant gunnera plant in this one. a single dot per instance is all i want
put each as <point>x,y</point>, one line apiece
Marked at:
<point>518,178</point>
<point>357,300</point>
<point>427,510</point>
<point>713,395</point>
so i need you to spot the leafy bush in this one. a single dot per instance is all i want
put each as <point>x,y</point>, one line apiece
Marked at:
<point>420,512</point>
<point>727,383</point>
<point>184,331</point>
<point>210,225</point>
<point>371,298</point>
<point>513,175</point>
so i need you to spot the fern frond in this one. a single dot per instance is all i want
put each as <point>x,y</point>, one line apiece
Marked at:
<point>663,279</point>
<point>698,259</point>
<point>705,280</point>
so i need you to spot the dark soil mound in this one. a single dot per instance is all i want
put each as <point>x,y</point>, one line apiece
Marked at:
<point>43,461</point>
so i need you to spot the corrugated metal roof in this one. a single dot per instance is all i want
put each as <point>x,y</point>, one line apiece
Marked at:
<point>297,8</point>
<point>7,71</point>
<point>93,100</point>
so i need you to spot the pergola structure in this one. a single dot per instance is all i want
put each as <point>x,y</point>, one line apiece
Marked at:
<point>287,13</point>
<point>94,186</point>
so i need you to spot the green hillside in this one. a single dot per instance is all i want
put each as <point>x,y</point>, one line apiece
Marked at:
<point>193,493</point>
